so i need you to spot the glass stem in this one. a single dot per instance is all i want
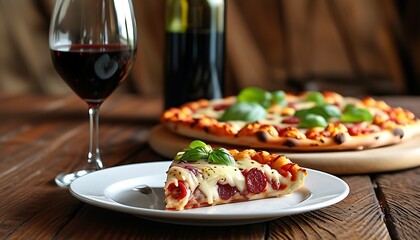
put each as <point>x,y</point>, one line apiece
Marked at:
<point>94,157</point>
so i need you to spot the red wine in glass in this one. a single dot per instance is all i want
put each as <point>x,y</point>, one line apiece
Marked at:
<point>93,45</point>
<point>93,71</point>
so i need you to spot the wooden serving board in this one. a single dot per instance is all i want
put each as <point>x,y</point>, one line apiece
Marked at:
<point>396,157</point>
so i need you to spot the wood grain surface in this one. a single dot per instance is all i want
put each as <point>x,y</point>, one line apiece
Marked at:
<point>41,136</point>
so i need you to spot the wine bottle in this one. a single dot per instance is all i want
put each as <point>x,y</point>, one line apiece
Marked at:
<point>194,50</point>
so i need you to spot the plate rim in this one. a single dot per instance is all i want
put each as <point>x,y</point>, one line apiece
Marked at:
<point>99,198</point>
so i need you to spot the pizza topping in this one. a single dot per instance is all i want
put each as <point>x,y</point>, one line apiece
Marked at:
<point>189,167</point>
<point>252,104</point>
<point>335,128</point>
<point>255,95</point>
<point>221,107</point>
<point>316,97</point>
<point>313,120</point>
<point>178,192</point>
<point>318,115</point>
<point>221,156</point>
<point>244,111</point>
<point>291,120</point>
<point>361,128</point>
<point>315,133</point>
<point>226,191</point>
<point>195,154</point>
<point>326,111</point>
<point>378,104</point>
<point>256,181</point>
<point>262,97</point>
<point>279,98</point>
<point>401,116</point>
<point>332,98</point>
<point>198,150</point>
<point>354,114</point>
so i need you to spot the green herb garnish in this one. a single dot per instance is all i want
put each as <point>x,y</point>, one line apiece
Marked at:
<point>278,97</point>
<point>195,154</point>
<point>198,143</point>
<point>315,97</point>
<point>326,111</point>
<point>312,120</point>
<point>262,97</point>
<point>244,111</point>
<point>252,103</point>
<point>354,114</point>
<point>221,156</point>
<point>254,95</point>
<point>198,150</point>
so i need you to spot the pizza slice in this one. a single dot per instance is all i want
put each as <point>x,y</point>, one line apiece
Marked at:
<point>201,176</point>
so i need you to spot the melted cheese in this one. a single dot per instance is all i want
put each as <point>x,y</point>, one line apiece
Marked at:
<point>208,112</point>
<point>274,115</point>
<point>212,174</point>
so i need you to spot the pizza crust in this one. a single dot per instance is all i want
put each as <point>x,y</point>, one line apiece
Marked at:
<point>379,139</point>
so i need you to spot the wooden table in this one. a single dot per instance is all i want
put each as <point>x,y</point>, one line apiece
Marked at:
<point>41,136</point>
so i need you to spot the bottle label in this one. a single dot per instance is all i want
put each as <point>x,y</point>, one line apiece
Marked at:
<point>196,15</point>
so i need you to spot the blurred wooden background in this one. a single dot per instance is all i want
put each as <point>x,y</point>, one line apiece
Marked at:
<point>352,46</point>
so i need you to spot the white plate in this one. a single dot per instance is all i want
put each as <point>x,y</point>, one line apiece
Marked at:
<point>112,188</point>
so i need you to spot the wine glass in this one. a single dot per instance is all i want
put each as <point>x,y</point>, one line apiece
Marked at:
<point>93,45</point>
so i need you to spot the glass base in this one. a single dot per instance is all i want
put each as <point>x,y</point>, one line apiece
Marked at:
<point>65,179</point>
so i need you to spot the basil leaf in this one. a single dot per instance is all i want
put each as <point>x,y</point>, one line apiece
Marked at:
<point>349,108</point>
<point>313,120</point>
<point>354,114</point>
<point>195,154</point>
<point>178,156</point>
<point>326,111</point>
<point>331,111</point>
<point>278,97</point>
<point>243,111</point>
<point>221,156</point>
<point>199,150</point>
<point>255,95</point>
<point>197,143</point>
<point>316,97</point>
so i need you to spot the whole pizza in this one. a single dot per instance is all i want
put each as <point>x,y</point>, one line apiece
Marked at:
<point>308,121</point>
